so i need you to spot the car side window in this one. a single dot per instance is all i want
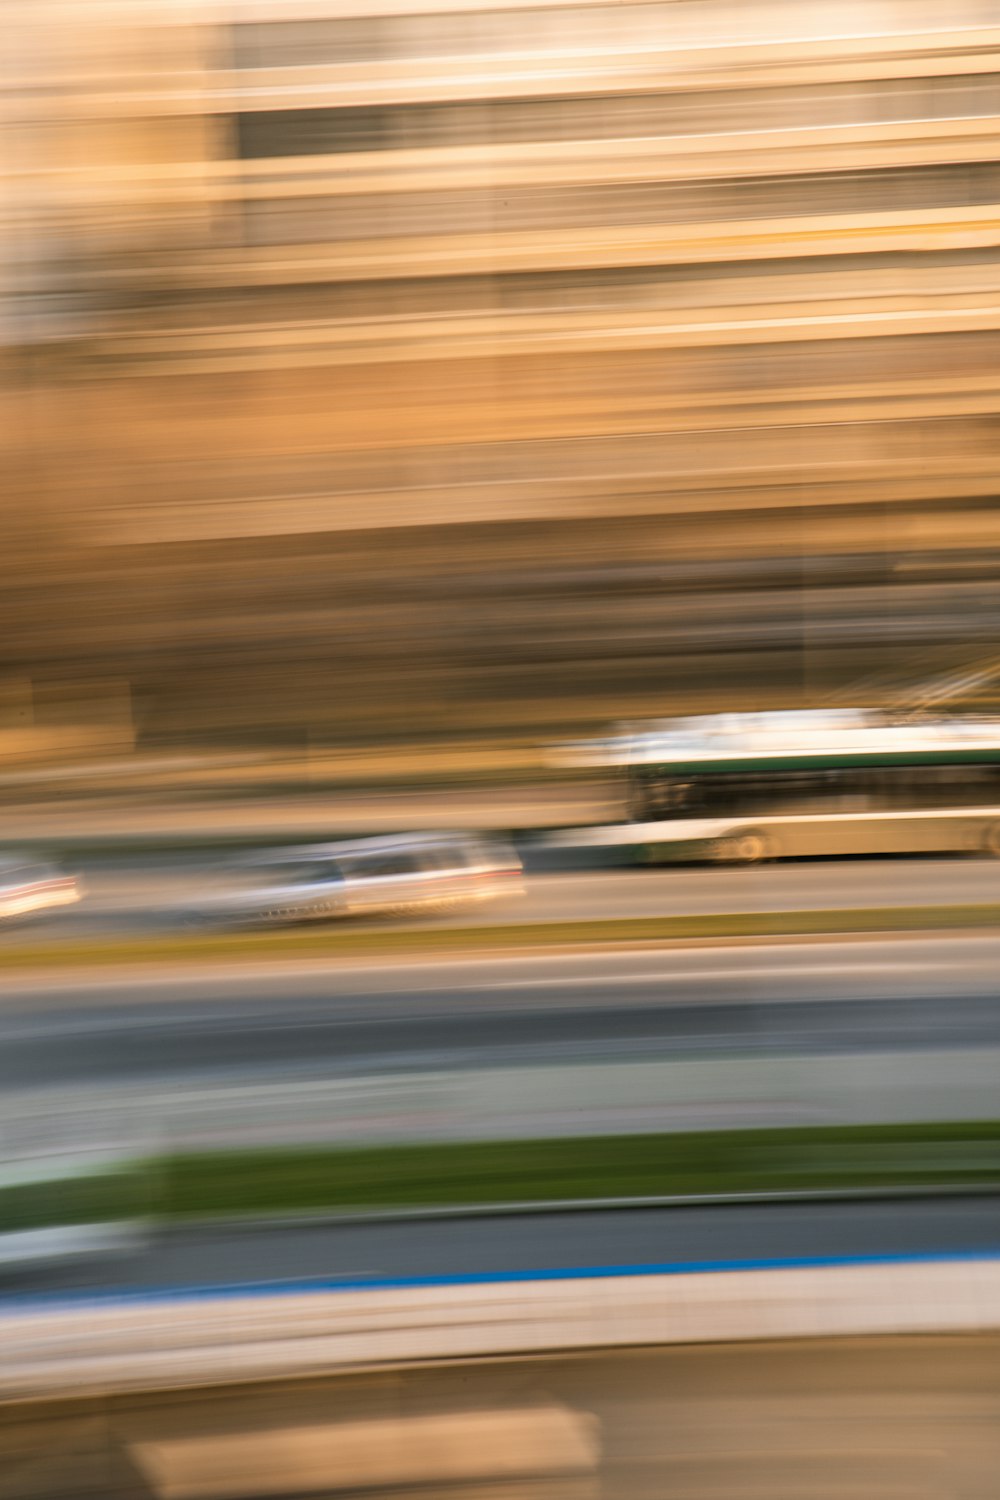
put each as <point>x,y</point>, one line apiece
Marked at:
<point>381,866</point>
<point>310,873</point>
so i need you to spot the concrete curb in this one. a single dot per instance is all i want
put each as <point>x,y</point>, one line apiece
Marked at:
<point>171,1338</point>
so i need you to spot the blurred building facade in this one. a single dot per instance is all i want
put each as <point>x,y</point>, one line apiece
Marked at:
<point>373,366</point>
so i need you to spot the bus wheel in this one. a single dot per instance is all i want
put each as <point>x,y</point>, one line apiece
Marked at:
<point>749,847</point>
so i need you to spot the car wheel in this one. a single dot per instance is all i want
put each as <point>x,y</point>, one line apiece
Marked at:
<point>196,923</point>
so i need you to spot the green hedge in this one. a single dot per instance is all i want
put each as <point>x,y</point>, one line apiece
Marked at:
<point>490,1172</point>
<point>463,1173</point>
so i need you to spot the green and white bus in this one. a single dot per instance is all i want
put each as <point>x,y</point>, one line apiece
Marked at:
<point>742,788</point>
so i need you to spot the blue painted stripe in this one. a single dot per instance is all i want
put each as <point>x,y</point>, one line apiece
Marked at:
<point>322,1285</point>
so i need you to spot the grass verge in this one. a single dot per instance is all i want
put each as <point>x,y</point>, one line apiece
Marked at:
<point>381,942</point>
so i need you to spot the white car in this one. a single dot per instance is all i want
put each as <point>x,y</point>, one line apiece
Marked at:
<point>29,885</point>
<point>384,876</point>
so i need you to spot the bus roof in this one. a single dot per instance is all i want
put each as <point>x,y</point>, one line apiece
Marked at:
<point>813,738</point>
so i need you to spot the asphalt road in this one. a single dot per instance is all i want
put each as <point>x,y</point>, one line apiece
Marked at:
<point>139,895</point>
<point>505,1245</point>
<point>284,1022</point>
